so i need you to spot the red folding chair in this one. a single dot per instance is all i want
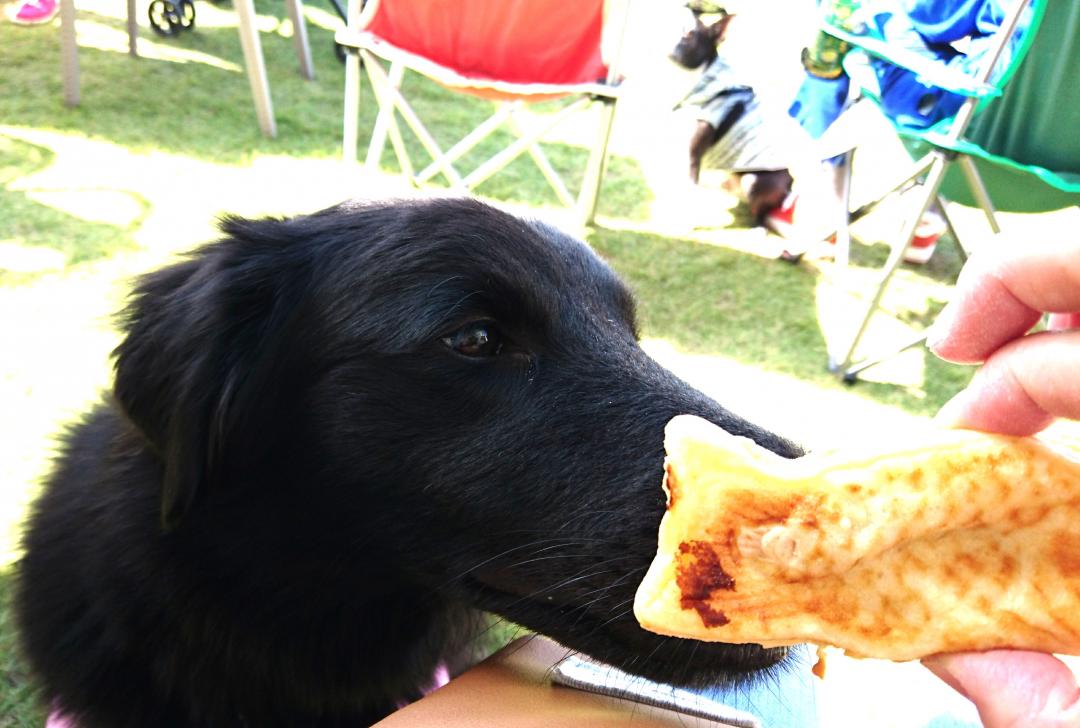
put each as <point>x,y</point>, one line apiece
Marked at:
<point>511,51</point>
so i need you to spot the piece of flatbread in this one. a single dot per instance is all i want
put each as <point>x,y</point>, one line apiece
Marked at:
<point>956,541</point>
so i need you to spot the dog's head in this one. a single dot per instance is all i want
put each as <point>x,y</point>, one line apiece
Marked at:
<point>698,45</point>
<point>433,396</point>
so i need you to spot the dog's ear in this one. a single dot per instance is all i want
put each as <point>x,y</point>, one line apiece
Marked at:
<point>201,346</point>
<point>717,29</point>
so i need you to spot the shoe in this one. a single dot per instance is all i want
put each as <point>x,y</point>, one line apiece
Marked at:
<point>36,12</point>
<point>924,243</point>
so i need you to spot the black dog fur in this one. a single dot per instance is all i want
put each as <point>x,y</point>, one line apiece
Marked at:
<point>332,441</point>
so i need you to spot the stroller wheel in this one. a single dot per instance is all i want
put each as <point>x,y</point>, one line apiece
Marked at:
<point>164,17</point>
<point>187,14</point>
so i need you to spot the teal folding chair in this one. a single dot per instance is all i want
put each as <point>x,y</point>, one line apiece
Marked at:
<point>1012,145</point>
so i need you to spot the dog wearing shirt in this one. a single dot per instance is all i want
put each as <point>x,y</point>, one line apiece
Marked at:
<point>732,132</point>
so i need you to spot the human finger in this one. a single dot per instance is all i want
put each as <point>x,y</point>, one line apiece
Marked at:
<point>1002,293</point>
<point>1013,688</point>
<point>1022,387</point>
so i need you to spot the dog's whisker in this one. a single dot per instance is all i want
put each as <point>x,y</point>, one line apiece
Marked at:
<point>624,575</point>
<point>549,557</point>
<point>609,586</point>
<point>496,557</point>
<point>617,617</point>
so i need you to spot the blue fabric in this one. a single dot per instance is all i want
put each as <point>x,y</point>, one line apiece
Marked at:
<point>946,21</point>
<point>819,102</point>
<point>925,27</point>
<point>784,700</point>
<point>908,101</point>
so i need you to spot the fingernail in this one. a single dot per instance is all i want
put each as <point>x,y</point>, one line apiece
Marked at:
<point>940,330</point>
<point>950,413</point>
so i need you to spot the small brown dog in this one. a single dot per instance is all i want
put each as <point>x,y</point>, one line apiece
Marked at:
<point>728,120</point>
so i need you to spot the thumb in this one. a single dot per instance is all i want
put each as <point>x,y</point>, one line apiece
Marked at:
<point>1013,688</point>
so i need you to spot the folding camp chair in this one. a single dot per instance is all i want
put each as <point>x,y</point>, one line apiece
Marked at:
<point>511,51</point>
<point>1001,102</point>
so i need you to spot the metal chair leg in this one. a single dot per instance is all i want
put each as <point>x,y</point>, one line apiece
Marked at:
<point>69,53</point>
<point>843,227</point>
<point>596,166</point>
<point>256,66</point>
<point>132,29</point>
<point>351,132</point>
<point>843,365</point>
<point>391,99</point>
<point>385,116</point>
<point>300,38</point>
<point>978,189</point>
<point>961,251</point>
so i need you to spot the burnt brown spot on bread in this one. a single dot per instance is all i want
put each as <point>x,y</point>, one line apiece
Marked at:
<point>710,617</point>
<point>698,574</point>
<point>671,484</point>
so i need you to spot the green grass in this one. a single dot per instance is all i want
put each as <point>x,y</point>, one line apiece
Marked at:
<point>18,703</point>
<point>35,224</point>
<point>712,300</point>
<point>167,128</point>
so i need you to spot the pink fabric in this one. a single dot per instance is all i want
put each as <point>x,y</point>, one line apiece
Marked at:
<point>57,719</point>
<point>34,12</point>
<point>442,676</point>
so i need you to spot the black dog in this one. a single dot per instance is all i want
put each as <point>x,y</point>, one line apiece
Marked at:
<point>332,440</point>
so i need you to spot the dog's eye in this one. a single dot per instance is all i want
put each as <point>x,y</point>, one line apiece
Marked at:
<point>478,339</point>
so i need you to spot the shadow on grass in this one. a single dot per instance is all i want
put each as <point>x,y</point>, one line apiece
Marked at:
<point>713,300</point>
<point>205,111</point>
<point>943,267</point>
<point>31,224</point>
<point>18,701</point>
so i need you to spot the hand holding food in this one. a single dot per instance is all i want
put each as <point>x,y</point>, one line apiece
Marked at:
<point>1025,382</point>
<point>954,540</point>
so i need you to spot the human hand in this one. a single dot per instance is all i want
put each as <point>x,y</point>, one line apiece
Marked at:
<point>1026,380</point>
<point>1013,688</point>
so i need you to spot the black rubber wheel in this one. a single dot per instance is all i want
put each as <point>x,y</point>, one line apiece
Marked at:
<point>187,14</point>
<point>850,379</point>
<point>164,18</point>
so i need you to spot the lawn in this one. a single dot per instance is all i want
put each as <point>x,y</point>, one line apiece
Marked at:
<point>163,144</point>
